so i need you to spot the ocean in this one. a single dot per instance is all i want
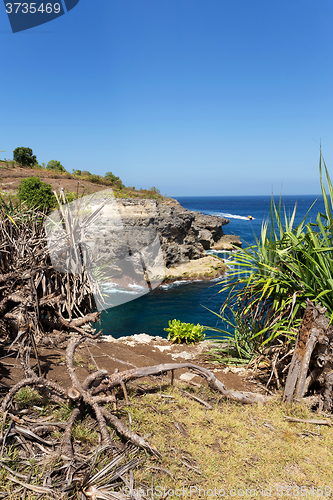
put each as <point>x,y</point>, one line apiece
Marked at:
<point>187,301</point>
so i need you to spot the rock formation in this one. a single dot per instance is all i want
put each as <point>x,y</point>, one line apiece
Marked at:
<point>184,235</point>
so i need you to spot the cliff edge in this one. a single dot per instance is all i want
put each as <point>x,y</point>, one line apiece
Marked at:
<point>184,235</point>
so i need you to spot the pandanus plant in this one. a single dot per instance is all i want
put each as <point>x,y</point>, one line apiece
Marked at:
<point>268,283</point>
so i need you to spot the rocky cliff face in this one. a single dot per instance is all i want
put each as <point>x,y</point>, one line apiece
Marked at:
<point>127,244</point>
<point>184,235</point>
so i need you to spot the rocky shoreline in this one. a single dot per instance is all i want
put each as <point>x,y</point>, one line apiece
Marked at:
<point>185,236</point>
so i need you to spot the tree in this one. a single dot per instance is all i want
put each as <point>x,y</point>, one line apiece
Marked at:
<point>36,194</point>
<point>55,165</point>
<point>109,176</point>
<point>24,156</point>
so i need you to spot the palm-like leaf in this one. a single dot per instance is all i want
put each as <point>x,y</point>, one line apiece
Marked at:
<point>270,281</point>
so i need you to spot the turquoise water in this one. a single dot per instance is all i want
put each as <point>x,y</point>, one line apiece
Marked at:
<point>186,301</point>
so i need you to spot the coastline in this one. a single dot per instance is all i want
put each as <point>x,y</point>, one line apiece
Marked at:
<point>205,268</point>
<point>185,238</point>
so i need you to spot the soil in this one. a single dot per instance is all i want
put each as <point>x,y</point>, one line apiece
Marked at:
<point>121,354</point>
<point>11,175</point>
<point>124,354</point>
<point>10,179</point>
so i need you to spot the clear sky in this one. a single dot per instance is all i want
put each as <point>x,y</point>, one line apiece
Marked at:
<point>195,97</point>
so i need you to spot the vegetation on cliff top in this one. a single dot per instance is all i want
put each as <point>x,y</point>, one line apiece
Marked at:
<point>24,159</point>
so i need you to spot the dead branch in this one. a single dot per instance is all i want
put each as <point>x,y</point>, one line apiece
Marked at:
<point>313,421</point>
<point>213,382</point>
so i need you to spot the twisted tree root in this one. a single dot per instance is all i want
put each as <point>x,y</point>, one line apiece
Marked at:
<point>66,447</point>
<point>89,394</point>
<point>123,377</point>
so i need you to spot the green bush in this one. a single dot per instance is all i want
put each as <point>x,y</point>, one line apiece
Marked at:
<point>109,176</point>
<point>24,156</point>
<point>96,179</point>
<point>71,196</point>
<point>239,347</point>
<point>36,194</point>
<point>185,332</point>
<point>55,166</point>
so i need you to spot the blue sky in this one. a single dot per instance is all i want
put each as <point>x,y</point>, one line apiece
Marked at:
<point>195,97</point>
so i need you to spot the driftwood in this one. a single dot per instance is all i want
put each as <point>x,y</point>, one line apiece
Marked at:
<point>93,394</point>
<point>312,360</point>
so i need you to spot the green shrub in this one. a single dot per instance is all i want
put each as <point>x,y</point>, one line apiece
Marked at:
<point>71,196</point>
<point>185,332</point>
<point>96,179</point>
<point>56,166</point>
<point>36,194</point>
<point>239,347</point>
<point>24,156</point>
<point>109,176</point>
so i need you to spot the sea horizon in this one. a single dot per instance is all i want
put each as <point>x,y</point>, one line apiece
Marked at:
<point>241,195</point>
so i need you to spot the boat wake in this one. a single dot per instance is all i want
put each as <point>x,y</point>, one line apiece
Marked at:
<point>233,216</point>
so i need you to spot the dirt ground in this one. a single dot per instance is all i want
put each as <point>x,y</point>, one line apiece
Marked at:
<point>124,354</point>
<point>10,179</point>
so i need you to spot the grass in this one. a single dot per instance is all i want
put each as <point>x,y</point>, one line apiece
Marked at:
<point>232,446</point>
<point>27,396</point>
<point>78,360</point>
<point>84,433</point>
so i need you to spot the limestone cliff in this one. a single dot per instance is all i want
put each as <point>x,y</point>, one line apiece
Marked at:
<point>184,235</point>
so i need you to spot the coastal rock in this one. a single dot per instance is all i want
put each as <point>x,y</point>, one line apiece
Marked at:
<point>205,238</point>
<point>209,266</point>
<point>145,227</point>
<point>185,235</point>
<point>227,242</point>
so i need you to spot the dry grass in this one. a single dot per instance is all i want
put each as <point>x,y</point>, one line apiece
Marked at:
<point>231,447</point>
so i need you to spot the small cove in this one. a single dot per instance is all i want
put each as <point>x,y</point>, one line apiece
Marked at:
<point>186,301</point>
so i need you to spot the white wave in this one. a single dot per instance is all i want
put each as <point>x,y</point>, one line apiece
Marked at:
<point>119,291</point>
<point>220,251</point>
<point>174,283</point>
<point>166,287</point>
<point>109,286</point>
<point>233,216</point>
<point>112,288</point>
<point>139,288</point>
